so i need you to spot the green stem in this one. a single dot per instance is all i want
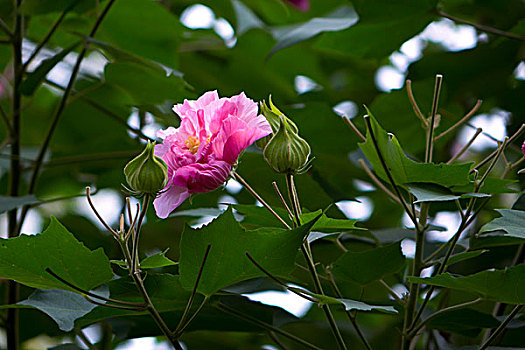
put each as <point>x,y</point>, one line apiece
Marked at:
<point>182,324</point>
<point>307,252</point>
<point>136,237</point>
<point>414,331</point>
<point>348,313</point>
<point>501,327</point>
<point>431,126</point>
<point>139,283</point>
<point>13,289</point>
<point>267,326</point>
<point>483,28</point>
<point>243,182</point>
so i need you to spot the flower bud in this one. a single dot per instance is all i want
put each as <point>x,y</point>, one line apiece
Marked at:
<point>146,173</point>
<point>287,152</point>
<point>273,115</point>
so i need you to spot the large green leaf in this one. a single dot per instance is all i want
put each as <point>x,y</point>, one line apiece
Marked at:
<point>38,7</point>
<point>370,265</point>
<point>62,306</point>
<point>26,258</point>
<point>340,19</point>
<point>145,84</point>
<point>467,321</point>
<point>511,221</point>
<point>506,286</point>
<point>272,248</point>
<point>145,28</point>
<point>405,170</point>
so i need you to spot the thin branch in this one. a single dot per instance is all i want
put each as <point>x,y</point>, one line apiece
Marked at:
<point>422,324</point>
<point>431,126</point>
<point>277,341</point>
<point>88,196</point>
<point>93,295</point>
<point>354,128</point>
<point>414,104</point>
<point>490,156</point>
<point>135,251</point>
<point>267,326</point>
<point>466,147</point>
<point>181,324</point>
<point>461,121</point>
<point>274,184</point>
<point>293,290</point>
<point>377,181</point>
<point>349,315</point>
<point>5,28</point>
<point>192,317</point>
<point>6,120</point>
<point>391,292</point>
<point>499,152</point>
<point>104,110</point>
<point>82,336</point>
<point>115,306</point>
<point>483,28</point>
<point>243,182</point>
<point>501,327</point>
<point>49,34</point>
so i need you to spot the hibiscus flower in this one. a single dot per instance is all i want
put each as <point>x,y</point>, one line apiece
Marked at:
<point>201,152</point>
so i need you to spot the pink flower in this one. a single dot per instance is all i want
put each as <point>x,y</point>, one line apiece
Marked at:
<point>201,152</point>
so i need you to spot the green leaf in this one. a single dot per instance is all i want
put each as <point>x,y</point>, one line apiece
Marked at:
<point>464,256</point>
<point>145,28</point>
<point>358,305</point>
<point>156,261</point>
<point>246,19</point>
<point>144,84</point>
<point>511,221</point>
<point>347,303</point>
<point>368,39</point>
<point>370,265</point>
<point>340,19</point>
<point>35,78</point>
<point>62,306</point>
<point>39,7</point>
<point>272,248</point>
<point>435,193</point>
<point>405,170</point>
<point>8,203</point>
<point>465,321</point>
<point>506,286</point>
<point>326,224</point>
<point>25,259</point>
<point>256,217</point>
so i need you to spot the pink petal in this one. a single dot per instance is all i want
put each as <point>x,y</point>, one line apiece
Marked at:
<point>202,177</point>
<point>169,200</point>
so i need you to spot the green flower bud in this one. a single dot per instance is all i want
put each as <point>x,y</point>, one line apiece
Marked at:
<point>287,152</point>
<point>273,115</point>
<point>146,173</point>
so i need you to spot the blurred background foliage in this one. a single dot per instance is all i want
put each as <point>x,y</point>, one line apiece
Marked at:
<point>317,64</point>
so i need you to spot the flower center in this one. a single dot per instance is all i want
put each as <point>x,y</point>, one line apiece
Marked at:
<point>193,143</point>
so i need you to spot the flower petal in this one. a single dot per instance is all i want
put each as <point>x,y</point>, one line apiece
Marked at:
<point>169,200</point>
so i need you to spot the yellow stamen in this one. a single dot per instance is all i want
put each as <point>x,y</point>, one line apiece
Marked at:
<point>193,143</point>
